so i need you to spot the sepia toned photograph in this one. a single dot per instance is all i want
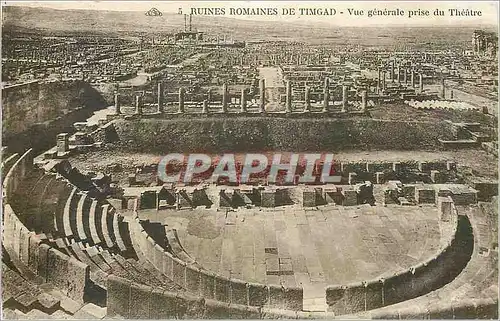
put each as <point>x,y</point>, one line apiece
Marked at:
<point>249,160</point>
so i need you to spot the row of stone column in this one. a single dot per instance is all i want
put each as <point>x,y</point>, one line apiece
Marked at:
<point>181,101</point>
<point>326,97</point>
<point>382,82</point>
<point>243,99</point>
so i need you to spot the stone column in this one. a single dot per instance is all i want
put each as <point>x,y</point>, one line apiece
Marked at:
<point>398,75</point>
<point>117,103</point>
<point>443,90</point>
<point>160,98</point>
<point>182,93</point>
<point>326,94</point>
<point>412,79</point>
<point>204,109</point>
<point>288,102</point>
<point>243,100</point>
<point>405,76</point>
<point>344,98</point>
<point>384,84</point>
<point>262,92</point>
<point>62,142</point>
<point>364,100</point>
<point>138,105</point>
<point>224,98</point>
<point>209,95</point>
<point>307,99</point>
<point>379,80</point>
<point>421,82</point>
<point>392,71</point>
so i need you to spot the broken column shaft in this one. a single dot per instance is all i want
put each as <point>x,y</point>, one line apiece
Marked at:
<point>307,99</point>
<point>160,98</point>
<point>62,142</point>
<point>326,94</point>
<point>224,98</point>
<point>117,104</point>
<point>243,100</point>
<point>288,102</point>
<point>182,93</point>
<point>138,105</point>
<point>344,98</point>
<point>443,89</point>
<point>364,100</point>
<point>262,92</point>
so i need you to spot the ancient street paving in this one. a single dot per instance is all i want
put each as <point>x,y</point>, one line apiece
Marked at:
<point>332,245</point>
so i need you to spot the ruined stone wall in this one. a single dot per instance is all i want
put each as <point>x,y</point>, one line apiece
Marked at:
<point>243,134</point>
<point>408,284</point>
<point>34,112</point>
<point>25,246</point>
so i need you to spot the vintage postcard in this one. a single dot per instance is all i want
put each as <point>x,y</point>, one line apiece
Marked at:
<point>249,160</point>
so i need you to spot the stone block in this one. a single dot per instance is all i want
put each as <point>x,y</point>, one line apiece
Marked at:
<point>308,198</point>
<point>57,269</point>
<point>239,292</point>
<point>440,310</point>
<point>350,197</point>
<point>222,289</point>
<point>487,309</point>
<point>352,178</point>
<point>373,294</point>
<point>207,285</point>
<point>435,177</point>
<point>34,249</point>
<point>464,309</point>
<point>163,305</point>
<point>148,200</point>
<point>238,311</point>
<point>276,296</point>
<point>272,313</point>
<point>42,263</point>
<point>268,198</point>
<point>397,288</point>
<point>258,294</point>
<point>445,208</point>
<point>149,251</point>
<point>421,281</point>
<point>335,299</point>
<point>24,243</point>
<point>425,195</point>
<point>118,297</point>
<point>190,306</point>
<point>167,265</point>
<point>178,272</point>
<point>193,280</point>
<point>294,298</point>
<point>408,191</point>
<point>216,310</point>
<point>413,312</point>
<point>158,255</point>
<point>140,300</point>
<point>80,275</point>
<point>354,296</point>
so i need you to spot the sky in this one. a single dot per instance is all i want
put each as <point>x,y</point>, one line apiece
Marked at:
<point>488,10</point>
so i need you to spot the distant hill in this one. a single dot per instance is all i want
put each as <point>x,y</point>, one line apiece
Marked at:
<point>123,23</point>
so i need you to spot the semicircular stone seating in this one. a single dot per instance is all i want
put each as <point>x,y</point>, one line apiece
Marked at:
<point>82,227</point>
<point>51,218</point>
